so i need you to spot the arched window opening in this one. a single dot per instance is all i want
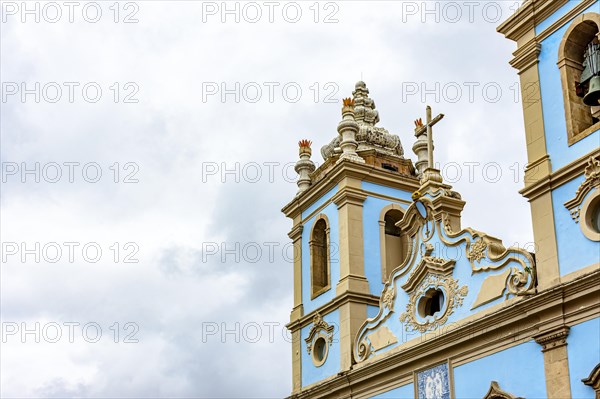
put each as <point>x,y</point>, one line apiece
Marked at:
<point>579,64</point>
<point>319,253</point>
<point>395,243</point>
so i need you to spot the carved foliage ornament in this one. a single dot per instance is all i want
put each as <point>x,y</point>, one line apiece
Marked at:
<point>388,296</point>
<point>592,180</point>
<point>476,251</point>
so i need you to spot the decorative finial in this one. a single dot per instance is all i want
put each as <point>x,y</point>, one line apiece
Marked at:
<point>347,129</point>
<point>364,105</point>
<point>304,167</point>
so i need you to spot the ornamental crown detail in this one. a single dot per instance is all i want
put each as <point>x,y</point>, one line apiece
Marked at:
<point>305,143</point>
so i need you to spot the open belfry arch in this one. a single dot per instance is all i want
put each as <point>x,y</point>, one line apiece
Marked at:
<point>395,298</point>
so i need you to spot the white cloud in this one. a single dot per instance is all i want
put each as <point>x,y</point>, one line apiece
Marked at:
<point>175,212</point>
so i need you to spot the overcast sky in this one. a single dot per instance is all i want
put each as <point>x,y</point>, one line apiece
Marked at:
<point>163,134</point>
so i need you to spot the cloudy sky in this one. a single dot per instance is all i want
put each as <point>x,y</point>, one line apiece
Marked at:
<point>148,147</point>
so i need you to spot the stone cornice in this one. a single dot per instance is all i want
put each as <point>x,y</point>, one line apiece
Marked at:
<point>558,177</point>
<point>349,195</point>
<point>553,338</point>
<point>528,16</point>
<point>335,303</point>
<point>296,232</point>
<point>526,56</point>
<point>515,323</point>
<point>334,176</point>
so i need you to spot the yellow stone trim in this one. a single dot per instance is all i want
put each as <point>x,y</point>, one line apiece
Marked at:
<point>526,56</point>
<point>296,362</point>
<point>581,135</point>
<point>296,235</point>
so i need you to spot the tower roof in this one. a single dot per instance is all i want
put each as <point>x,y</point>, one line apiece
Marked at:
<point>369,137</point>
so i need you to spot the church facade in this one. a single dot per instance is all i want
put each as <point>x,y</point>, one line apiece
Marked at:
<point>395,298</point>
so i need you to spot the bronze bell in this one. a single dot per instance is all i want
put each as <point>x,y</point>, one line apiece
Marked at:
<point>592,98</point>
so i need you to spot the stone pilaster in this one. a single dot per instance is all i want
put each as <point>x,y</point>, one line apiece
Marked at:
<point>556,361</point>
<point>296,362</point>
<point>296,235</point>
<point>349,201</point>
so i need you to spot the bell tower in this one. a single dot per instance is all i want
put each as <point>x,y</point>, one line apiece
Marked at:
<point>343,215</point>
<point>558,61</point>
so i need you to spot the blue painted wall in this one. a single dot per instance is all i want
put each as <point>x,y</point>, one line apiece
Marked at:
<point>583,347</point>
<point>518,370</point>
<point>552,99</point>
<point>312,374</point>
<point>570,238</point>
<point>403,392</point>
<point>318,203</point>
<point>372,311</point>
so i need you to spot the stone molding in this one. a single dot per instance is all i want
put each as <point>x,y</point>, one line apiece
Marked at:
<point>335,303</point>
<point>349,195</point>
<point>296,233</point>
<point>552,339</point>
<point>558,177</point>
<point>362,172</point>
<point>526,56</point>
<point>428,264</point>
